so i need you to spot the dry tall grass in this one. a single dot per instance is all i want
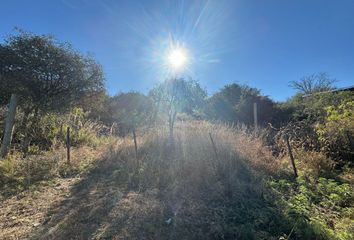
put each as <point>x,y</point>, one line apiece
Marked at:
<point>185,188</point>
<point>218,193</point>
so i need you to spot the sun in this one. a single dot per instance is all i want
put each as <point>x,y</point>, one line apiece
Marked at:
<point>177,58</point>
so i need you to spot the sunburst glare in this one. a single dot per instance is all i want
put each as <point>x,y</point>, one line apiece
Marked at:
<point>184,43</point>
<point>177,58</point>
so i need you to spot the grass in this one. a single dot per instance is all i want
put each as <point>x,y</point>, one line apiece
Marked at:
<point>184,189</point>
<point>18,174</point>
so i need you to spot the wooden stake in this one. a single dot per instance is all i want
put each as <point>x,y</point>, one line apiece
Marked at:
<point>291,155</point>
<point>111,129</point>
<point>135,144</point>
<point>68,145</point>
<point>214,147</point>
<point>255,116</point>
<point>9,126</point>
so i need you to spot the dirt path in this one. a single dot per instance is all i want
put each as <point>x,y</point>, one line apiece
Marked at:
<point>95,206</point>
<point>23,213</point>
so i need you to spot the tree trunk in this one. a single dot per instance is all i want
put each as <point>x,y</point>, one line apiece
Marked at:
<point>9,126</point>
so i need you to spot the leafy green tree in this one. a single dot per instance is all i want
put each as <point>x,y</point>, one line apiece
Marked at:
<point>130,110</point>
<point>96,105</point>
<point>266,110</point>
<point>234,103</point>
<point>219,108</point>
<point>48,76</point>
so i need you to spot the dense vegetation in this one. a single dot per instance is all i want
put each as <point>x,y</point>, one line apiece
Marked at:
<point>196,164</point>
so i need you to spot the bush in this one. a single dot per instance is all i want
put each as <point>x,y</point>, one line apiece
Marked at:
<point>335,131</point>
<point>319,208</point>
<point>315,162</point>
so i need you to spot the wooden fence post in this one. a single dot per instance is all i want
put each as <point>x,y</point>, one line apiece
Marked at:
<point>255,116</point>
<point>135,144</point>
<point>112,127</point>
<point>291,155</point>
<point>214,147</point>
<point>9,126</point>
<point>68,145</point>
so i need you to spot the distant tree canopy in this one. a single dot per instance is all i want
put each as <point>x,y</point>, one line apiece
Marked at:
<point>130,110</point>
<point>95,105</point>
<point>312,108</point>
<point>45,73</point>
<point>313,83</point>
<point>178,95</point>
<point>234,103</point>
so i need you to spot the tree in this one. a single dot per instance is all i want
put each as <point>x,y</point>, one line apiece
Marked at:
<point>219,108</point>
<point>48,76</point>
<point>266,110</point>
<point>320,82</point>
<point>234,103</point>
<point>178,95</point>
<point>130,110</point>
<point>95,104</point>
<point>312,108</point>
<point>51,75</point>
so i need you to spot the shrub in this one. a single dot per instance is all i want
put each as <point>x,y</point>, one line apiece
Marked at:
<point>315,162</point>
<point>335,131</point>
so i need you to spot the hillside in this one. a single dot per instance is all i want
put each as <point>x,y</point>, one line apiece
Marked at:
<point>181,189</point>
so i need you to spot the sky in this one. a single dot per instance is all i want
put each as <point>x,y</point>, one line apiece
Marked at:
<point>261,43</point>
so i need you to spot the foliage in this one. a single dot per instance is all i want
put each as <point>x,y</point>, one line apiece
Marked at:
<point>337,131</point>
<point>177,96</point>
<point>314,206</point>
<point>214,182</point>
<point>49,131</point>
<point>234,103</point>
<point>320,82</point>
<point>47,74</point>
<point>96,105</point>
<point>321,122</point>
<point>240,191</point>
<point>312,108</point>
<point>130,110</point>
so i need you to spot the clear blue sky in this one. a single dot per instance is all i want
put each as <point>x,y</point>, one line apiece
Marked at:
<point>263,43</point>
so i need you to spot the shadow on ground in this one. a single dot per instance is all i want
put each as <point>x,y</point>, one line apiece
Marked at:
<point>101,208</point>
<point>194,200</point>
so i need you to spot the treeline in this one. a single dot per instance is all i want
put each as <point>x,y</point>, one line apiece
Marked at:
<point>55,86</point>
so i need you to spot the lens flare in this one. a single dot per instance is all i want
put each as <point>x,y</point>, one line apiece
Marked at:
<point>177,58</point>
<point>186,42</point>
